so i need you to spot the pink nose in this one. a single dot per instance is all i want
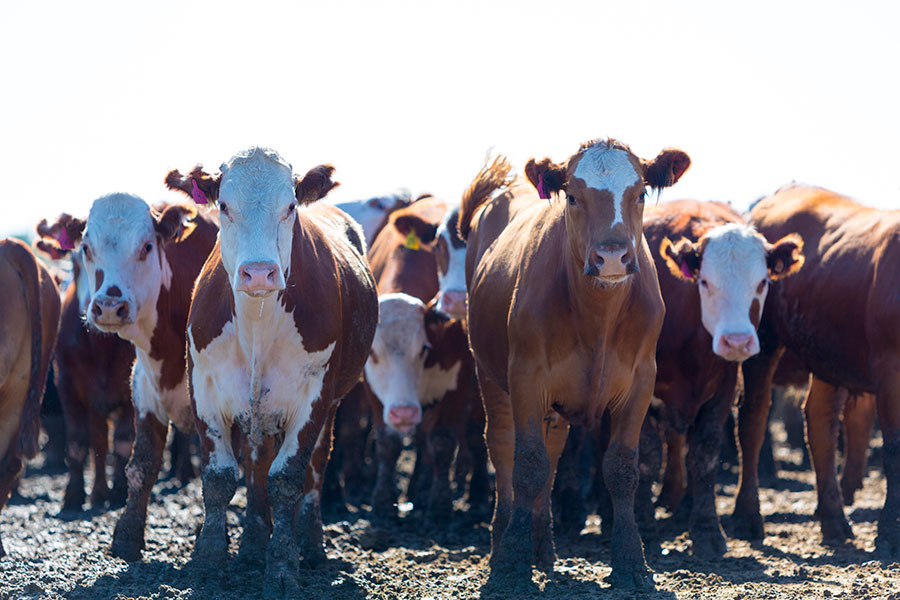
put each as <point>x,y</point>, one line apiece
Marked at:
<point>453,302</point>
<point>736,346</point>
<point>404,418</point>
<point>258,277</point>
<point>106,310</point>
<point>610,260</point>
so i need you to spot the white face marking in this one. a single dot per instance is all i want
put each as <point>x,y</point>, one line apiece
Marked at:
<point>395,372</point>
<point>82,285</point>
<point>610,169</point>
<point>257,190</point>
<point>732,266</point>
<point>454,280</point>
<point>371,213</point>
<point>437,381</point>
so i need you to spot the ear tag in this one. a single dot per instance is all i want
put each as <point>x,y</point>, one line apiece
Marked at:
<point>197,193</point>
<point>540,188</point>
<point>65,242</point>
<point>412,240</point>
<point>686,271</point>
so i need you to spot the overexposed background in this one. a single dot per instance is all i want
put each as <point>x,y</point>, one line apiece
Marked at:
<point>99,97</point>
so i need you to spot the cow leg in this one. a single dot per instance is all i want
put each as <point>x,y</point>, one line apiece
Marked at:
<point>352,435</point>
<point>479,482</point>
<point>859,418</point>
<point>142,471</point>
<point>442,448</point>
<point>419,486</point>
<point>77,441</point>
<point>388,445</point>
<point>500,437</point>
<point>181,466</point>
<point>123,442</point>
<point>674,477</point>
<point>556,432</point>
<point>649,465</point>
<point>100,446</point>
<point>753,416</point>
<point>569,511</point>
<point>309,533</point>
<point>887,399</point>
<point>10,467</point>
<point>258,518</point>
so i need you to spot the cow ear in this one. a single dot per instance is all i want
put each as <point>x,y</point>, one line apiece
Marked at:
<point>199,185</point>
<point>175,223</point>
<point>415,229</point>
<point>785,257</point>
<point>315,184</point>
<point>62,235</point>
<point>546,176</point>
<point>666,169</point>
<point>682,258</point>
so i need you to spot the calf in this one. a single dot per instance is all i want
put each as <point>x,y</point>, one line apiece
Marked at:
<point>839,316</point>
<point>29,303</point>
<point>372,214</point>
<point>281,322</point>
<point>714,280</point>
<point>141,264</point>
<point>93,372</point>
<point>564,314</point>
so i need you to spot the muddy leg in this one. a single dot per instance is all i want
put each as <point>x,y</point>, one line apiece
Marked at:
<point>100,446</point>
<point>142,471</point>
<point>649,465</point>
<point>258,518</point>
<point>556,433</point>
<point>479,482</point>
<point>309,533</point>
<point>674,477</point>
<point>442,448</point>
<point>500,437</point>
<point>859,417</point>
<point>77,440</point>
<point>887,399</point>
<point>123,442</point>
<point>182,467</point>
<point>10,466</point>
<point>388,445</point>
<point>569,510</point>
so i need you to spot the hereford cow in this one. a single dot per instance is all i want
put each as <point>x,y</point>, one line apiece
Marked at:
<point>372,214</point>
<point>841,318</point>
<point>93,372</point>
<point>564,315</point>
<point>281,323</point>
<point>714,274</point>
<point>29,305</point>
<point>141,265</point>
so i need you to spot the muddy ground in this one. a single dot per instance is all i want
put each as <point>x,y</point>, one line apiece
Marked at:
<point>53,557</point>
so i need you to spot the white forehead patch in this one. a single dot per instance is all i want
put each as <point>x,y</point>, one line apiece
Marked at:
<point>255,175</point>
<point>119,222</point>
<point>734,251</point>
<point>604,168</point>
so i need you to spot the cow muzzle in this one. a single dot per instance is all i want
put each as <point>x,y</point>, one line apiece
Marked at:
<point>453,302</point>
<point>404,417</point>
<point>259,279</point>
<point>736,346</point>
<point>611,262</point>
<point>108,313</point>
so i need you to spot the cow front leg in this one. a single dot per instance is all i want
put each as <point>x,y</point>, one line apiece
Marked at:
<point>78,424</point>
<point>649,466</point>
<point>887,399</point>
<point>100,446</point>
<point>123,442</point>
<point>859,418</point>
<point>142,471</point>
<point>500,438</point>
<point>556,430</point>
<point>257,519</point>
<point>388,445</point>
<point>308,530</point>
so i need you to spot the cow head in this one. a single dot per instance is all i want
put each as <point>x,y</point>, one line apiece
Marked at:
<point>450,254</point>
<point>372,214</point>
<point>257,196</point>
<point>121,248</point>
<point>396,361</point>
<point>732,265</point>
<point>605,186</point>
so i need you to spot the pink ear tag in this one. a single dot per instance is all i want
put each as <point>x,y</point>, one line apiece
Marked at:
<point>686,271</point>
<point>197,193</point>
<point>540,188</point>
<point>65,242</point>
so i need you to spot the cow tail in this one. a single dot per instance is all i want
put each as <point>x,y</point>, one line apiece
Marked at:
<point>494,175</point>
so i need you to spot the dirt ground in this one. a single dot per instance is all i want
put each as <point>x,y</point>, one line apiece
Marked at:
<point>52,557</point>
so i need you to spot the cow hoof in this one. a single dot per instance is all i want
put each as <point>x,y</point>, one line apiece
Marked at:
<point>125,545</point>
<point>747,527</point>
<point>250,560</point>
<point>98,500</point>
<point>544,558</point>
<point>640,580</point>
<point>117,498</point>
<point>887,546</point>
<point>282,579</point>
<point>211,547</point>
<point>835,528</point>
<point>73,502</point>
<point>708,543</point>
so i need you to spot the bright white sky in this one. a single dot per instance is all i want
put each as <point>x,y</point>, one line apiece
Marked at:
<point>102,97</point>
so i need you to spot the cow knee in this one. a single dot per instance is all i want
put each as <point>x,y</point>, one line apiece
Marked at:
<point>619,471</point>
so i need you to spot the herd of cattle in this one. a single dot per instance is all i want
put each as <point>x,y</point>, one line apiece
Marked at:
<point>543,315</point>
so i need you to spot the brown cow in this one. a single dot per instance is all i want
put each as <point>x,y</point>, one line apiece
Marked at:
<point>281,323</point>
<point>714,279</point>
<point>141,265</point>
<point>564,315</point>
<point>29,303</point>
<point>840,316</point>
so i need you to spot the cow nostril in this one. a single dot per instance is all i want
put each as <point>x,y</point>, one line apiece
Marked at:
<point>122,312</point>
<point>96,310</point>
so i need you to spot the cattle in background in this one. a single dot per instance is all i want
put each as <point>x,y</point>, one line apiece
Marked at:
<point>281,323</point>
<point>141,265</point>
<point>714,273</point>
<point>93,372</point>
<point>29,303</point>
<point>564,315</point>
<point>840,317</point>
<point>372,214</point>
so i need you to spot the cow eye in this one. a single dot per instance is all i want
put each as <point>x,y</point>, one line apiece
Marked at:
<point>291,208</point>
<point>704,283</point>
<point>425,349</point>
<point>572,200</point>
<point>146,250</point>
<point>762,286</point>
<point>223,208</point>
<point>642,197</point>
<point>87,252</point>
<point>373,356</point>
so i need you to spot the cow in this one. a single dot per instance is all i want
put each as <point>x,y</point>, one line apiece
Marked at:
<point>141,264</point>
<point>281,322</point>
<point>840,317</point>
<point>372,214</point>
<point>30,305</point>
<point>420,371</point>
<point>714,274</point>
<point>93,372</point>
<point>564,312</point>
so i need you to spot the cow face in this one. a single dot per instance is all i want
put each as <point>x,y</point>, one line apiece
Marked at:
<point>257,197</point>
<point>605,187</point>
<point>450,255</point>
<point>372,214</point>
<point>732,265</point>
<point>396,361</point>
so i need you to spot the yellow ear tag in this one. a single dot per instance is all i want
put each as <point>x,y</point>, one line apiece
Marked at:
<point>412,240</point>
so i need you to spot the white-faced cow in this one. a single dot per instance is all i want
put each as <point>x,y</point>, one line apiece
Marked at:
<point>372,214</point>
<point>141,265</point>
<point>281,323</point>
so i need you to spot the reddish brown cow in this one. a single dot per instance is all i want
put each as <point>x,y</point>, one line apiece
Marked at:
<point>841,318</point>
<point>281,322</point>
<point>564,315</point>
<point>29,303</point>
